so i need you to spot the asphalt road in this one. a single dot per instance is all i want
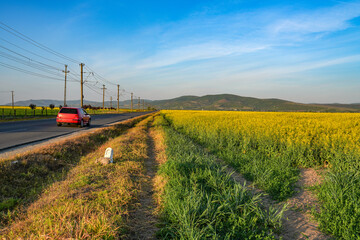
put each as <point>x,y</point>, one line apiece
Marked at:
<point>18,133</point>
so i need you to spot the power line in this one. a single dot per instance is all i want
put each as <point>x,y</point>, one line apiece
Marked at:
<point>29,72</point>
<point>35,43</point>
<point>91,88</point>
<point>33,65</point>
<point>32,52</point>
<point>96,75</point>
<point>29,58</point>
<point>30,64</point>
<point>73,75</point>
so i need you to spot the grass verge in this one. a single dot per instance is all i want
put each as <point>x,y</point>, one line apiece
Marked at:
<point>23,178</point>
<point>92,202</point>
<point>201,201</point>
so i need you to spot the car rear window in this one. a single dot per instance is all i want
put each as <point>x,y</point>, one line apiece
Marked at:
<point>69,110</point>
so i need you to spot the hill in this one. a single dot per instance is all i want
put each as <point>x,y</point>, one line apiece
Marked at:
<point>238,103</point>
<point>213,102</point>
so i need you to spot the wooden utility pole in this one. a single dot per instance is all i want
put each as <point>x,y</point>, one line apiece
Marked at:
<point>82,83</point>
<point>118,98</point>
<point>110,102</point>
<point>139,103</point>
<point>103,96</point>
<point>12,99</point>
<point>66,71</point>
<point>132,101</point>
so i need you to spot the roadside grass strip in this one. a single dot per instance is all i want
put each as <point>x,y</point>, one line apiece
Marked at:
<point>94,200</point>
<point>201,201</point>
<point>24,178</point>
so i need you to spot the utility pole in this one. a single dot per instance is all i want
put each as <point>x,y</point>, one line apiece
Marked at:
<point>132,101</point>
<point>66,71</point>
<point>12,99</point>
<point>118,98</point>
<point>82,83</point>
<point>110,102</point>
<point>139,103</point>
<point>103,96</point>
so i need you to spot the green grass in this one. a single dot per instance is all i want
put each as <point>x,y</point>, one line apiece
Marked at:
<point>9,113</point>
<point>271,169</point>
<point>20,113</point>
<point>340,199</point>
<point>201,201</point>
<point>273,166</point>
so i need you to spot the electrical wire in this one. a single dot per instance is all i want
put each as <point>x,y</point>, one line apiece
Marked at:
<point>32,52</point>
<point>96,75</point>
<point>49,66</point>
<point>29,72</point>
<point>30,64</point>
<point>72,76</point>
<point>35,43</point>
<point>91,88</point>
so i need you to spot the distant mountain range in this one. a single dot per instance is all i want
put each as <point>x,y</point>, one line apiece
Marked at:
<point>213,102</point>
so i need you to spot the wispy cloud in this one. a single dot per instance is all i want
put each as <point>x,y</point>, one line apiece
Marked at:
<point>262,51</point>
<point>205,37</point>
<point>195,53</point>
<point>288,70</point>
<point>331,19</point>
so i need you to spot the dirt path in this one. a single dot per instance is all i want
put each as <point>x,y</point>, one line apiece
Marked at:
<point>297,223</point>
<point>143,219</point>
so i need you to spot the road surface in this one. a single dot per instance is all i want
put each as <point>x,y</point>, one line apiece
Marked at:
<point>18,133</point>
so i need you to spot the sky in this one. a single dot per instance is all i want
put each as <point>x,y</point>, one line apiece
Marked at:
<point>304,51</point>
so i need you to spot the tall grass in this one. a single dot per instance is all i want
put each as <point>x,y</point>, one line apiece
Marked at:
<point>201,201</point>
<point>340,199</point>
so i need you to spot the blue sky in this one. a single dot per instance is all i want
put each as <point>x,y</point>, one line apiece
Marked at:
<point>304,51</point>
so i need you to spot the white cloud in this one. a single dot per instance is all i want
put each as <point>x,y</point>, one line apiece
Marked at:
<point>266,74</point>
<point>195,52</point>
<point>206,37</point>
<point>322,20</point>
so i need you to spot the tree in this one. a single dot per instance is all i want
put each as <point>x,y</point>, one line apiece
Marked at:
<point>51,106</point>
<point>32,106</point>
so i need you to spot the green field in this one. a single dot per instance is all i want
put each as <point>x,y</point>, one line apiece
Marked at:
<point>8,113</point>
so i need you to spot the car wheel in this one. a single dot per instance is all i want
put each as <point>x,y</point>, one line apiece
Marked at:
<point>81,124</point>
<point>89,123</point>
<point>58,124</point>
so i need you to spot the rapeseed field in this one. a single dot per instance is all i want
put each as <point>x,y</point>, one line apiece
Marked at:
<point>269,148</point>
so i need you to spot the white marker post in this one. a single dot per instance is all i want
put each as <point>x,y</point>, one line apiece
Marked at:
<point>109,154</point>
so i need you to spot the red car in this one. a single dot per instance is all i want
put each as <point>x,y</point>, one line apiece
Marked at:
<point>70,115</point>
